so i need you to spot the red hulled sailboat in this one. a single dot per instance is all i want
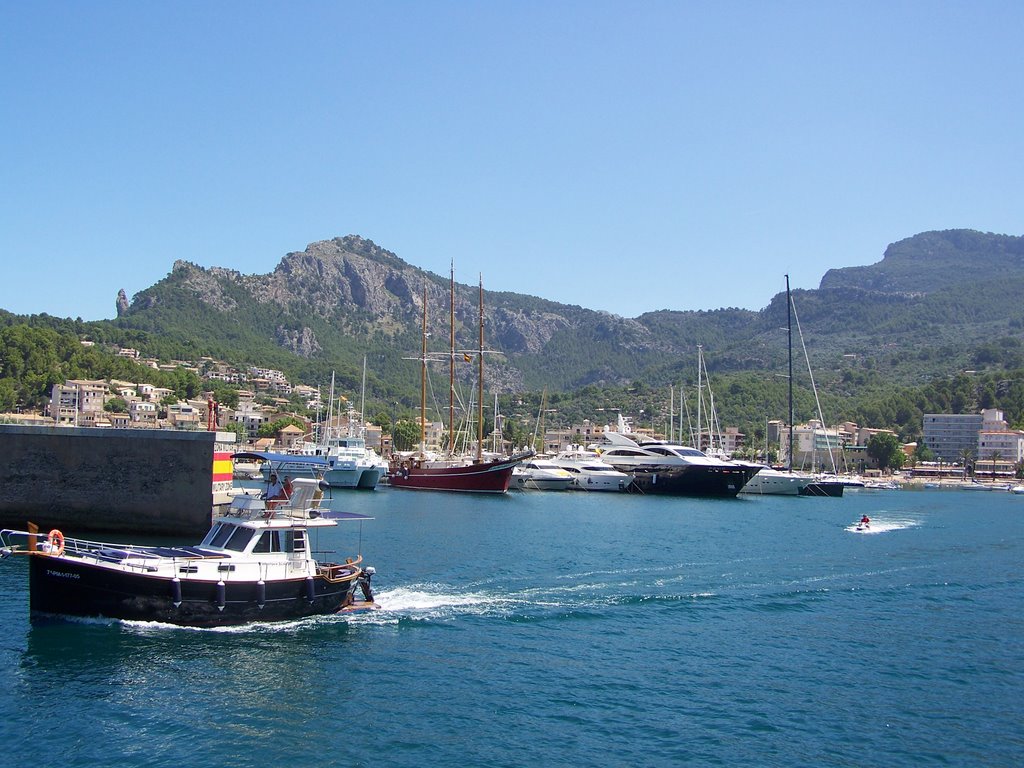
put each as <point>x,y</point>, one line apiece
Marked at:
<point>451,472</point>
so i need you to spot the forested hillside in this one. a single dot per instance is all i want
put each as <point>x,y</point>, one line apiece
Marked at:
<point>935,325</point>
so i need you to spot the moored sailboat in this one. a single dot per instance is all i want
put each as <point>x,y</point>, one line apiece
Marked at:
<point>451,472</point>
<point>787,482</point>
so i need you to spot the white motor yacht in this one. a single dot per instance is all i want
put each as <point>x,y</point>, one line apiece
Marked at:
<point>588,472</point>
<point>540,475</point>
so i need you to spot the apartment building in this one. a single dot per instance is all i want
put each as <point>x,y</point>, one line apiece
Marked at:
<point>77,401</point>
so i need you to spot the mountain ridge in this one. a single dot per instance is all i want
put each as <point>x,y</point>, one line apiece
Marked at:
<point>351,287</point>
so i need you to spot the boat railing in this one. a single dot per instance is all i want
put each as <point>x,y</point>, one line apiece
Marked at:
<point>303,504</point>
<point>15,542</point>
<point>340,571</point>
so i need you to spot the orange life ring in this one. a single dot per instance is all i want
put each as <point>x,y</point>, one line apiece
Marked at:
<point>56,541</point>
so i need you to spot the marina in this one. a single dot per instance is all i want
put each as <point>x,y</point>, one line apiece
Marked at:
<point>663,630</point>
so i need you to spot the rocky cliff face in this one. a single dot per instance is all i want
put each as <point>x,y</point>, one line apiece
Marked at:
<point>339,298</point>
<point>122,302</point>
<point>351,281</point>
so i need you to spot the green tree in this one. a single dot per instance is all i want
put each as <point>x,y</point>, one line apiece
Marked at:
<point>116,405</point>
<point>406,435</point>
<point>967,461</point>
<point>923,453</point>
<point>885,449</point>
<point>997,456</point>
<point>241,435</point>
<point>8,395</point>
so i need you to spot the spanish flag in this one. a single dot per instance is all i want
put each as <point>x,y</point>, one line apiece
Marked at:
<point>467,357</point>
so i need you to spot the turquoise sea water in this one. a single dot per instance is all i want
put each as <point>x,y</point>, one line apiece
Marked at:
<point>561,629</point>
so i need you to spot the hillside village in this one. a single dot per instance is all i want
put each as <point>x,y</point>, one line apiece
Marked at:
<point>265,397</point>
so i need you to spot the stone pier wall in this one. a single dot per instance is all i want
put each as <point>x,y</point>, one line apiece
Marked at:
<point>93,480</point>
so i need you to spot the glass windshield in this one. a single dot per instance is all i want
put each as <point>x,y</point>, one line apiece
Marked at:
<point>239,539</point>
<point>222,535</point>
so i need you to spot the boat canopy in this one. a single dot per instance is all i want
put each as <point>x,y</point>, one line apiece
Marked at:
<point>281,458</point>
<point>330,514</point>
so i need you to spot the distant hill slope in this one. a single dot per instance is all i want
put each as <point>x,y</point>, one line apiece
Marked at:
<point>933,261</point>
<point>327,306</point>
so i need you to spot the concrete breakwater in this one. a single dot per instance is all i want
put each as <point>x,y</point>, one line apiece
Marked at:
<point>94,480</point>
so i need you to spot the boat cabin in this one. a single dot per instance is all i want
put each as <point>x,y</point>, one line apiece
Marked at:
<point>258,538</point>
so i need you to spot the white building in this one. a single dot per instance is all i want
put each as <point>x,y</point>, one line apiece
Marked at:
<point>1008,444</point>
<point>77,401</point>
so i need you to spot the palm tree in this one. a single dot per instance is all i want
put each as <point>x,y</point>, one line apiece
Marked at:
<point>996,458</point>
<point>966,457</point>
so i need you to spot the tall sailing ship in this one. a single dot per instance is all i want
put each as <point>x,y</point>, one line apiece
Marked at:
<point>452,472</point>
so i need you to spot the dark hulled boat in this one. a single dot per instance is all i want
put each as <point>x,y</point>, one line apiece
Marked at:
<point>670,469</point>
<point>691,481</point>
<point>254,565</point>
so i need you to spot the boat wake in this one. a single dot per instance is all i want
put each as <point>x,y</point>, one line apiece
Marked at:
<point>881,526</point>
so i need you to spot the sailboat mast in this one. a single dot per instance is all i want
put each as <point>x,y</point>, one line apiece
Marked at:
<point>451,366</point>
<point>671,412</point>
<point>423,380</point>
<point>480,398</point>
<point>789,340</point>
<point>700,397</point>
<point>362,404</point>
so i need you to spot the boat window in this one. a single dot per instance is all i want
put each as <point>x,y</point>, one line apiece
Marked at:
<point>295,541</point>
<point>222,535</point>
<point>209,536</point>
<point>239,539</point>
<point>270,541</point>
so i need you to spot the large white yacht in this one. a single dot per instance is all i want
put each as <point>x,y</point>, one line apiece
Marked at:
<point>668,468</point>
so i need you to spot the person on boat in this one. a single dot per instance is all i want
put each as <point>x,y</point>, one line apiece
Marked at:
<point>865,520</point>
<point>274,495</point>
<point>286,488</point>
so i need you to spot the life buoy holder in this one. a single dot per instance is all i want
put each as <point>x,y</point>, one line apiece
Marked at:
<point>56,542</point>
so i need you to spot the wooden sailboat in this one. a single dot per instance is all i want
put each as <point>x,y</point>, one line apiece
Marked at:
<point>453,473</point>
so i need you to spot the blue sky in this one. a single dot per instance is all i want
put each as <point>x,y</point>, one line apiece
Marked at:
<point>626,157</point>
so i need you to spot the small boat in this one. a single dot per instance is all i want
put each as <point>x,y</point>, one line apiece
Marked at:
<point>1017,489</point>
<point>823,487</point>
<point>774,482</point>
<point>350,464</point>
<point>883,485</point>
<point>588,472</point>
<point>245,470</point>
<point>540,475</point>
<point>254,565</point>
<point>284,464</point>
